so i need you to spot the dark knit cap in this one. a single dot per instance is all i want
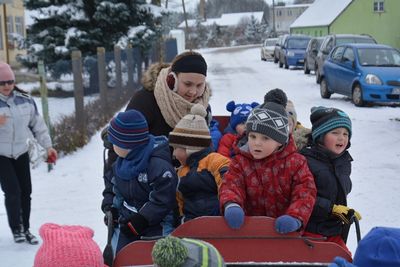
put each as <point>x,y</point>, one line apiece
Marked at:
<point>276,95</point>
<point>271,119</point>
<point>191,132</point>
<point>325,119</point>
<point>128,129</point>
<point>192,63</point>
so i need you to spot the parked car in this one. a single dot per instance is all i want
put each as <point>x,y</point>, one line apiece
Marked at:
<point>267,49</point>
<point>330,41</point>
<point>311,54</point>
<point>365,72</point>
<point>292,51</point>
<point>278,45</point>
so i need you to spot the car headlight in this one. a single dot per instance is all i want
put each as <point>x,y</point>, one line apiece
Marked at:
<point>372,79</point>
<point>290,54</point>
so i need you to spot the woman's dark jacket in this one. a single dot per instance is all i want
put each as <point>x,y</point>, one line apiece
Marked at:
<point>332,179</point>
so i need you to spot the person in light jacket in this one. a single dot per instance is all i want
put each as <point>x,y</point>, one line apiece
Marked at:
<point>19,118</point>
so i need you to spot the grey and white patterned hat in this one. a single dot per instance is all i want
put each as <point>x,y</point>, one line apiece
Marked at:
<point>270,119</point>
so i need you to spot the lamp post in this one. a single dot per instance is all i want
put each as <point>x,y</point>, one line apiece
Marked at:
<point>4,2</point>
<point>273,18</point>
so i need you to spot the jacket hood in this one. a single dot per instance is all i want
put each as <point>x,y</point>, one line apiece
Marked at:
<point>150,75</point>
<point>161,148</point>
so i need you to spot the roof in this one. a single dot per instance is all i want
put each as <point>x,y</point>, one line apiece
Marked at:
<point>321,13</point>
<point>227,19</point>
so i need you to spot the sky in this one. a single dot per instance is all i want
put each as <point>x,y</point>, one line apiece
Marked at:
<point>71,193</point>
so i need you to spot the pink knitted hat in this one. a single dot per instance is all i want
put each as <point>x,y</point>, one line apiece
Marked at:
<point>6,73</point>
<point>67,246</point>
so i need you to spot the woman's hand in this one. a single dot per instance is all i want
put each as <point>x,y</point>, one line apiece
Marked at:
<point>51,155</point>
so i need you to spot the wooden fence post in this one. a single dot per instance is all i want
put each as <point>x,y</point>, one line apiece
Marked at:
<point>118,69</point>
<point>101,64</point>
<point>45,104</point>
<point>131,69</point>
<point>78,92</point>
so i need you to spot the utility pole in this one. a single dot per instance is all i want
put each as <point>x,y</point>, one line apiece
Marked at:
<point>273,18</point>
<point>203,10</point>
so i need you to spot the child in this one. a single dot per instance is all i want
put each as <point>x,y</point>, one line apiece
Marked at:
<point>330,163</point>
<point>140,188</point>
<point>268,177</point>
<point>236,128</point>
<point>379,248</point>
<point>67,245</point>
<point>201,170</point>
<point>175,252</point>
<point>299,132</point>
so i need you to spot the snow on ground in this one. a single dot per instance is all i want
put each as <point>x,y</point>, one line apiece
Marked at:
<point>71,193</point>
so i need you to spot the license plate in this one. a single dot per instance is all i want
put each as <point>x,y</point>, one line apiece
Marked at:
<point>396,91</point>
<point>301,61</point>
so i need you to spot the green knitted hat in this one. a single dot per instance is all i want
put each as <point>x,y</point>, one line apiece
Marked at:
<point>169,252</point>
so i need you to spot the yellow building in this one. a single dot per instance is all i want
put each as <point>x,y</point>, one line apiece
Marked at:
<point>12,29</point>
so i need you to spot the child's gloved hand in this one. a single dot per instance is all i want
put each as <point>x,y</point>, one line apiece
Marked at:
<point>287,224</point>
<point>234,215</point>
<point>345,213</point>
<point>51,155</point>
<point>134,225</point>
<point>340,262</point>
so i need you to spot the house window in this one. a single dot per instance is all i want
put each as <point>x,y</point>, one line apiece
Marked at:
<point>19,26</point>
<point>10,31</point>
<point>379,6</point>
<point>289,12</point>
<point>279,13</point>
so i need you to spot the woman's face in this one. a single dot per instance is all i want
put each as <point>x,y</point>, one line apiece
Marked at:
<point>191,85</point>
<point>6,87</point>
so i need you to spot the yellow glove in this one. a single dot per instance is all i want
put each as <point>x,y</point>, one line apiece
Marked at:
<point>345,213</point>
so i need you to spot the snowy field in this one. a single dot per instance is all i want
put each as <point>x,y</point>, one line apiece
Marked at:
<point>71,193</point>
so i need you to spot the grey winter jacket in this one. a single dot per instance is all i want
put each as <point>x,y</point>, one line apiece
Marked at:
<point>22,120</point>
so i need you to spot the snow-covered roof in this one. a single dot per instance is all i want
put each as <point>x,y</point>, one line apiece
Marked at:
<point>227,19</point>
<point>321,13</point>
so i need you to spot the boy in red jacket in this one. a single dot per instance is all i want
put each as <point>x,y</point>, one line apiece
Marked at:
<point>268,177</point>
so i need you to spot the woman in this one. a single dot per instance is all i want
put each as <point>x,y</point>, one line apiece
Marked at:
<point>18,118</point>
<point>169,92</point>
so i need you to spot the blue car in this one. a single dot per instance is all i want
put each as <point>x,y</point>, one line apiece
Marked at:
<point>293,50</point>
<point>365,72</point>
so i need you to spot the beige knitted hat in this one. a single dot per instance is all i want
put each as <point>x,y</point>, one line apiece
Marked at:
<point>191,132</point>
<point>291,112</point>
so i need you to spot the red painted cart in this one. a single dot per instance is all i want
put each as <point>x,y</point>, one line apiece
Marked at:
<point>255,244</point>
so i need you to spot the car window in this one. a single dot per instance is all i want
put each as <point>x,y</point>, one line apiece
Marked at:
<point>269,42</point>
<point>379,57</point>
<point>348,54</point>
<point>329,45</point>
<point>338,53</point>
<point>295,43</point>
<point>347,40</point>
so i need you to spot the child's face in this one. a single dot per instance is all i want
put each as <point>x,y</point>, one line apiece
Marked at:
<point>240,128</point>
<point>261,146</point>
<point>180,154</point>
<point>336,140</point>
<point>120,151</point>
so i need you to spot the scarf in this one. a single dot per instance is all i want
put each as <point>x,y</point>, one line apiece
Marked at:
<point>135,162</point>
<point>174,107</point>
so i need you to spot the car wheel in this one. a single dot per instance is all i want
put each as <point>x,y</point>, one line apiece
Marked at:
<point>306,69</point>
<point>286,64</point>
<point>323,88</point>
<point>357,96</point>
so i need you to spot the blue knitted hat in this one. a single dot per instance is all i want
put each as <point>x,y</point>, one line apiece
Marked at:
<point>128,129</point>
<point>240,112</point>
<point>379,248</point>
<point>326,119</point>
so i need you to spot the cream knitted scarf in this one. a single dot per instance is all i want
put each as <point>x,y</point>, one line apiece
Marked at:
<point>174,107</point>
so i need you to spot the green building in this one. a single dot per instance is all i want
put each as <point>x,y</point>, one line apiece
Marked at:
<point>378,18</point>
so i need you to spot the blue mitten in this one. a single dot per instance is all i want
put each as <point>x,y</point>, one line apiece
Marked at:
<point>287,224</point>
<point>234,215</point>
<point>340,262</point>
